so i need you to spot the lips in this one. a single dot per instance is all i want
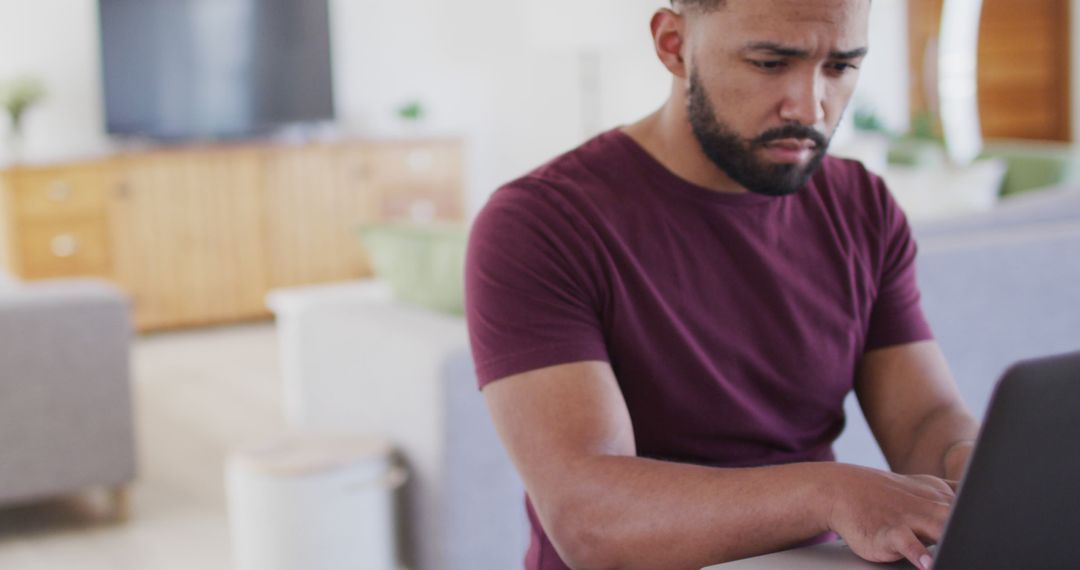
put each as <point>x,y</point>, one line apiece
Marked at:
<point>790,151</point>
<point>792,144</point>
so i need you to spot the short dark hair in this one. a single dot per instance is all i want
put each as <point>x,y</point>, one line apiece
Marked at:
<point>703,5</point>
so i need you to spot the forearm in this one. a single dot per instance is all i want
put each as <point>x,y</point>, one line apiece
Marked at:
<point>943,441</point>
<point>629,512</point>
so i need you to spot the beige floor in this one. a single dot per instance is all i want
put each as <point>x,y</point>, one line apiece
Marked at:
<point>198,394</point>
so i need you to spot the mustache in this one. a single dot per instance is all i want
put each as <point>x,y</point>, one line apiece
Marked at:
<point>791,132</point>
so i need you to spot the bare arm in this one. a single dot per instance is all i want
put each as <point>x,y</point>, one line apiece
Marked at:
<point>914,409</point>
<point>569,434</point>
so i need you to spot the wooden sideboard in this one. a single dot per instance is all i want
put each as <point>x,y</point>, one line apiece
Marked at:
<point>199,235</point>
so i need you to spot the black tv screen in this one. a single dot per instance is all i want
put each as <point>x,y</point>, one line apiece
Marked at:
<point>211,69</point>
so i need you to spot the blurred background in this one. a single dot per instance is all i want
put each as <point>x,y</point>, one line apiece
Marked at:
<point>231,235</point>
<point>504,76</point>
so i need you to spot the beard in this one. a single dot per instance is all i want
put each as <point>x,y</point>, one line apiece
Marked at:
<point>737,157</point>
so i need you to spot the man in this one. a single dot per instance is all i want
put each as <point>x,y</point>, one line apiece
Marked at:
<point>666,320</point>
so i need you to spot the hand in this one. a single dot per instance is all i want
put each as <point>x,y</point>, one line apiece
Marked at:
<point>885,517</point>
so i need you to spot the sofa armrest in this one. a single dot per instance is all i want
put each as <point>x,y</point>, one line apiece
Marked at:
<point>65,396</point>
<point>1060,205</point>
<point>355,359</point>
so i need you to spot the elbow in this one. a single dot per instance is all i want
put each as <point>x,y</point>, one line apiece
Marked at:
<point>582,541</point>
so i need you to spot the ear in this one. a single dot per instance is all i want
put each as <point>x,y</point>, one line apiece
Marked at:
<point>669,33</point>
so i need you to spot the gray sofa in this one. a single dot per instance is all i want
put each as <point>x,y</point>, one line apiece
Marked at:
<point>65,401</point>
<point>997,287</point>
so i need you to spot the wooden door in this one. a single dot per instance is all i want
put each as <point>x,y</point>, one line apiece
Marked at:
<point>187,229</point>
<point>1024,69</point>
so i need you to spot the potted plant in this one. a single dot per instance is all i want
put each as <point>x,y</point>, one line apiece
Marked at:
<point>17,96</point>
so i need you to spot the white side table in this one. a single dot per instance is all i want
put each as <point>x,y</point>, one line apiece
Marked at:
<point>313,501</point>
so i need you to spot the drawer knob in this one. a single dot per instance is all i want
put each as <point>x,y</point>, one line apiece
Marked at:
<point>60,191</point>
<point>64,245</point>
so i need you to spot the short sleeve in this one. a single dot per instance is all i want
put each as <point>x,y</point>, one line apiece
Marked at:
<point>896,317</point>
<point>531,299</point>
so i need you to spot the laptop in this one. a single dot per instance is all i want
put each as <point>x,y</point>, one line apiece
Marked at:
<point>1019,502</point>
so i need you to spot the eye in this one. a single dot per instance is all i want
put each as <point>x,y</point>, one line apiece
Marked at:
<point>840,68</point>
<point>768,64</point>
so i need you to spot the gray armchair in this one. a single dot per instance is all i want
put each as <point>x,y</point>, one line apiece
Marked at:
<point>65,397</point>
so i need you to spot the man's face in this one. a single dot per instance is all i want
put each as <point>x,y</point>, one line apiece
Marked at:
<point>768,83</point>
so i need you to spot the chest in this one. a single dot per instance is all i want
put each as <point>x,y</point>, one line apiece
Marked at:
<point>755,303</point>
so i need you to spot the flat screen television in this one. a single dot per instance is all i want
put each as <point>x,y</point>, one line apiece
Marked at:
<point>178,70</point>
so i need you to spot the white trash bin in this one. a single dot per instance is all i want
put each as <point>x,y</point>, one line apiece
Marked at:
<point>314,502</point>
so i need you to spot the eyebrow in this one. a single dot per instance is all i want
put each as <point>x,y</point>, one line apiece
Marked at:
<point>788,51</point>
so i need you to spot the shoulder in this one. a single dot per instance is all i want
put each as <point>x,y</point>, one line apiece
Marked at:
<point>558,209</point>
<point>575,187</point>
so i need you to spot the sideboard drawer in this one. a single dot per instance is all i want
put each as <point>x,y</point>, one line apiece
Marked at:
<point>65,249</point>
<point>419,204</point>
<point>416,163</point>
<point>60,193</point>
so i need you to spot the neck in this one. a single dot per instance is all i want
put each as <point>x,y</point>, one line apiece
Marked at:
<point>668,137</point>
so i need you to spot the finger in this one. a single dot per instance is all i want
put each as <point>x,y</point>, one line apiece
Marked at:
<point>936,487</point>
<point>946,485</point>
<point>931,482</point>
<point>936,495</point>
<point>911,548</point>
<point>930,528</point>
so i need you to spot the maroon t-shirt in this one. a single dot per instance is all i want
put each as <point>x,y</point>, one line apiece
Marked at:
<point>733,322</point>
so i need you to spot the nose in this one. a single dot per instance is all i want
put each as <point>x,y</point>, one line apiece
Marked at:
<point>804,100</point>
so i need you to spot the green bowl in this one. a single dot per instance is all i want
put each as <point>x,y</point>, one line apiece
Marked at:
<point>424,264</point>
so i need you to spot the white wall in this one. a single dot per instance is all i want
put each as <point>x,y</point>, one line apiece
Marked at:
<point>474,63</point>
<point>517,100</point>
<point>884,83</point>
<point>57,41</point>
<point>478,69</point>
